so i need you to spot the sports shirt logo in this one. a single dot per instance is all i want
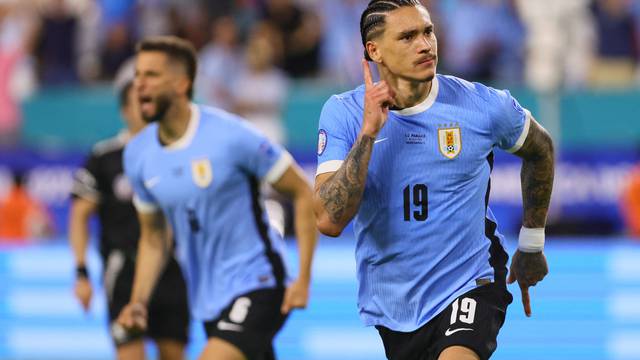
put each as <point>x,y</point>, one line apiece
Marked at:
<point>450,332</point>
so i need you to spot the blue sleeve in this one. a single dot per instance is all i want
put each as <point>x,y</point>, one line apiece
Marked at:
<point>143,200</point>
<point>259,156</point>
<point>509,121</point>
<point>335,138</point>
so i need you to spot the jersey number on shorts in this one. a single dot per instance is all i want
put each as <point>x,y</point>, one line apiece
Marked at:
<point>467,309</point>
<point>420,200</point>
<point>240,310</point>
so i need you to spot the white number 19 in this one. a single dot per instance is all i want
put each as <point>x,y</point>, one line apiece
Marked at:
<point>467,308</point>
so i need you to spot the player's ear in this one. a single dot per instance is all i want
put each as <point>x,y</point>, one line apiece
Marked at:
<point>183,85</point>
<point>374,51</point>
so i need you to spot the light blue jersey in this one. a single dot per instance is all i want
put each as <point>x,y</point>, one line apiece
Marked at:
<point>425,234</point>
<point>207,186</point>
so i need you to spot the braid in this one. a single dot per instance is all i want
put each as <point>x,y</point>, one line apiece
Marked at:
<point>373,18</point>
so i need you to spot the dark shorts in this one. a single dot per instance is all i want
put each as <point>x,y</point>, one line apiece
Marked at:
<point>168,311</point>
<point>472,321</point>
<point>250,323</point>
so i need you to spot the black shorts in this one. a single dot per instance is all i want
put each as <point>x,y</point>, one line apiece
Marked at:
<point>168,311</point>
<point>250,323</point>
<point>479,315</point>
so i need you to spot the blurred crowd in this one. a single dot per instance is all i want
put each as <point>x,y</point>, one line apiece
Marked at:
<point>251,47</point>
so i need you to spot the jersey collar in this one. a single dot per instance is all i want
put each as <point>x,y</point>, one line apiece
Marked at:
<point>425,105</point>
<point>188,135</point>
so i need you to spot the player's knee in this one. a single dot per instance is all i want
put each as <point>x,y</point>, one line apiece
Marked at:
<point>458,353</point>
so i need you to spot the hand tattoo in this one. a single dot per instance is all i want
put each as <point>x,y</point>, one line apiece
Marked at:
<point>529,267</point>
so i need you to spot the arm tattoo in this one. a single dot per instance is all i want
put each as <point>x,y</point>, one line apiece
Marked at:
<point>536,176</point>
<point>342,192</point>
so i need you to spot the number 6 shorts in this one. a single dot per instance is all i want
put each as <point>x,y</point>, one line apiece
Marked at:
<point>250,323</point>
<point>473,320</point>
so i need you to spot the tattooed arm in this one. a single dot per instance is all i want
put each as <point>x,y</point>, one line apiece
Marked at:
<point>537,182</point>
<point>338,194</point>
<point>536,175</point>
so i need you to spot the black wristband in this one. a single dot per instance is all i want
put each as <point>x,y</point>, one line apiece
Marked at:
<point>82,272</point>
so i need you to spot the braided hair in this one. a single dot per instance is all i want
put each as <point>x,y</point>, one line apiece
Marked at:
<point>373,18</point>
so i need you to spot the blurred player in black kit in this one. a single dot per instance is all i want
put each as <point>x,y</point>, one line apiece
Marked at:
<point>100,187</point>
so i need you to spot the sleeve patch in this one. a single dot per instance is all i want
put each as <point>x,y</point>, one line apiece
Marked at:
<point>322,141</point>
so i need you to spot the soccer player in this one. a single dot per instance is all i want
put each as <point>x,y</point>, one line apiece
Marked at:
<point>101,187</point>
<point>200,168</point>
<point>408,158</point>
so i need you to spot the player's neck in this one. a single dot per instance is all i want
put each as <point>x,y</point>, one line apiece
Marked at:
<point>175,122</point>
<point>409,93</point>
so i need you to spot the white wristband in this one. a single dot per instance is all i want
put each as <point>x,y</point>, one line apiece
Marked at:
<point>531,240</point>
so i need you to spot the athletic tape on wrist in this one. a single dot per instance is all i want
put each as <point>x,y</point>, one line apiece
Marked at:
<point>531,240</point>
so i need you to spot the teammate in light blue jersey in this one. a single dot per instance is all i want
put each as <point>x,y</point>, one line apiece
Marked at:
<point>409,159</point>
<point>200,168</point>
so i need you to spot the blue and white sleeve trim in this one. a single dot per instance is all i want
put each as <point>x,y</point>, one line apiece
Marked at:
<point>523,136</point>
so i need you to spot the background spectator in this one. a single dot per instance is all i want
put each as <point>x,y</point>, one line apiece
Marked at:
<point>618,49</point>
<point>341,24</point>
<point>559,42</point>
<point>17,77</point>
<point>22,217</point>
<point>630,202</point>
<point>301,34</point>
<point>219,63</point>
<point>260,89</point>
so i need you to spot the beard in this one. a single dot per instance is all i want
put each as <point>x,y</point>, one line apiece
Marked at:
<point>162,105</point>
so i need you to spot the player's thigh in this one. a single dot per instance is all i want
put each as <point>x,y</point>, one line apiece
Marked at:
<point>133,350</point>
<point>218,349</point>
<point>170,349</point>
<point>458,353</point>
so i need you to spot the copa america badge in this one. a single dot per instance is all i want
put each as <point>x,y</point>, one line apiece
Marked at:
<point>322,141</point>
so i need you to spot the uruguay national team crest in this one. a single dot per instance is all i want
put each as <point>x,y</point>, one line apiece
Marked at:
<point>201,172</point>
<point>449,142</point>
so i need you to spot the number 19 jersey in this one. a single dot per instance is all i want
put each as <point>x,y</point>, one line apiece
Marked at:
<point>425,234</point>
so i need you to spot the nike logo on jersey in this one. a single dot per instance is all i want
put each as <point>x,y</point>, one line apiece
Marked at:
<point>450,332</point>
<point>152,182</point>
<point>380,140</point>
<point>227,326</point>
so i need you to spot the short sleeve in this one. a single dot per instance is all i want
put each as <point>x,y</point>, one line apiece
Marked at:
<point>510,121</point>
<point>334,138</point>
<point>143,200</point>
<point>259,156</point>
<point>86,180</point>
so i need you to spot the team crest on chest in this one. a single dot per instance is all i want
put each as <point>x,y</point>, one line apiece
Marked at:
<point>449,141</point>
<point>201,172</point>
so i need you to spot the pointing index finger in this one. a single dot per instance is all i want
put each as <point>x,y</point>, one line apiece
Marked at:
<point>368,78</point>
<point>526,300</point>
